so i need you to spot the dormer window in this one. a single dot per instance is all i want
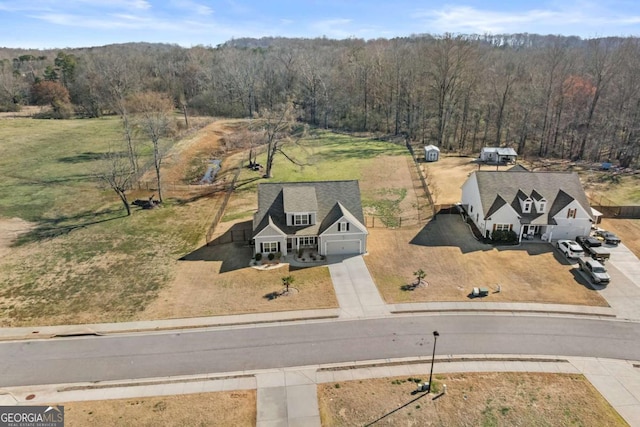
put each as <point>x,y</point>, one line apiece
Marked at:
<point>343,227</point>
<point>301,220</point>
<point>542,207</point>
<point>527,206</point>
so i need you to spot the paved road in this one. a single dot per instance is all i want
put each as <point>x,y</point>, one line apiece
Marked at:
<point>249,348</point>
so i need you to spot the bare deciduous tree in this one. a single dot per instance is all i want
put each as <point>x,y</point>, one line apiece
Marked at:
<point>117,174</point>
<point>278,126</point>
<point>153,112</point>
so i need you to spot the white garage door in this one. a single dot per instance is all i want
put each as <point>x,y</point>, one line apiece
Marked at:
<point>566,233</point>
<point>343,247</point>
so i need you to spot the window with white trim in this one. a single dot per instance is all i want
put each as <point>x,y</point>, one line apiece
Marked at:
<point>543,206</point>
<point>527,206</point>
<point>301,220</point>
<point>270,247</point>
<point>343,227</point>
<point>307,241</point>
<point>503,227</point>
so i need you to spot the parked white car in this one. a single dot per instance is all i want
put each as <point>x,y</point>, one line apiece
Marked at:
<point>570,249</point>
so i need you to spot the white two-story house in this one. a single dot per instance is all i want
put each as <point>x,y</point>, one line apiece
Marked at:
<point>549,205</point>
<point>324,216</point>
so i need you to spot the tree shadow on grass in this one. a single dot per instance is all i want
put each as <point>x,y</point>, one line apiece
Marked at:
<point>49,228</point>
<point>87,156</point>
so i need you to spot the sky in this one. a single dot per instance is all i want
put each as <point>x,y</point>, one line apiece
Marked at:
<point>50,24</point>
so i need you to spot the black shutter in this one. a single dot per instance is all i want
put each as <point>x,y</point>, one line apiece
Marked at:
<point>347,226</point>
<point>309,219</point>
<point>261,247</point>
<point>278,246</point>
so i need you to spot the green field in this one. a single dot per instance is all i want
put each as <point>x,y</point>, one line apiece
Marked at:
<point>322,156</point>
<point>84,261</point>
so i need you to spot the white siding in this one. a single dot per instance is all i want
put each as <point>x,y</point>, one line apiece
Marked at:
<point>569,228</point>
<point>332,234</point>
<point>504,215</point>
<point>471,198</point>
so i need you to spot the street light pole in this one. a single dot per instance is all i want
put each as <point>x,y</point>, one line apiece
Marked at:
<point>433,356</point>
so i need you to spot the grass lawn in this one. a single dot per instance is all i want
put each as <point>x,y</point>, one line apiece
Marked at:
<point>472,399</point>
<point>231,408</point>
<point>455,262</point>
<point>386,184</point>
<point>81,259</point>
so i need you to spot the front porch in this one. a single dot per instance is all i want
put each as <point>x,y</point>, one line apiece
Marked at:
<point>533,234</point>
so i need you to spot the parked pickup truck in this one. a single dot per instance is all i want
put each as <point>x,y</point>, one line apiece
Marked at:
<point>593,248</point>
<point>596,271</point>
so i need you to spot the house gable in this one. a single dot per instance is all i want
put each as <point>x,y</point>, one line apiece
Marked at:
<point>342,221</point>
<point>280,202</point>
<point>269,230</point>
<point>534,198</point>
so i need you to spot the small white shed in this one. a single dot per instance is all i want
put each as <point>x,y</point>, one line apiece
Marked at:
<point>431,153</point>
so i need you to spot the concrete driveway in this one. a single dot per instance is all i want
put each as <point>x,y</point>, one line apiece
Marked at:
<point>623,293</point>
<point>357,294</point>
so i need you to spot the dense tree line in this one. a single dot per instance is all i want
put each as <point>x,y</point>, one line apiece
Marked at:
<point>550,96</point>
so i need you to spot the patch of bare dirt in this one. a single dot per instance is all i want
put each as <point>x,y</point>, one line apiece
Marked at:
<point>187,161</point>
<point>446,176</point>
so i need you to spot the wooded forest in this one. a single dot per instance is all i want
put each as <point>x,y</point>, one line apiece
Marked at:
<point>547,96</point>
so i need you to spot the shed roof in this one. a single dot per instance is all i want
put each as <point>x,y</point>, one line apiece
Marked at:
<point>502,151</point>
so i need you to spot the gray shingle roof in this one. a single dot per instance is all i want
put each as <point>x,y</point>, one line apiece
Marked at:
<point>558,188</point>
<point>329,195</point>
<point>300,198</point>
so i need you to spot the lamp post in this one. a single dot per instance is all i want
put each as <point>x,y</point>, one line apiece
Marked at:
<point>433,356</point>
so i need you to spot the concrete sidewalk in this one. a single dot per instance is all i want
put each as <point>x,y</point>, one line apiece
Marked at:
<point>288,397</point>
<point>43,332</point>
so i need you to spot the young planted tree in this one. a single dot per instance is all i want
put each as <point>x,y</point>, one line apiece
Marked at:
<point>287,281</point>
<point>420,275</point>
<point>153,112</point>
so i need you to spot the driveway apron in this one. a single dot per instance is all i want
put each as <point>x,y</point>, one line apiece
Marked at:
<point>356,292</point>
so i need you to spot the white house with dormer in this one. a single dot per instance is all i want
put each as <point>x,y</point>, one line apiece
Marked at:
<point>323,216</point>
<point>548,205</point>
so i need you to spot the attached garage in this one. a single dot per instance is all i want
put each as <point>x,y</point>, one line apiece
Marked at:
<point>343,247</point>
<point>559,233</point>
